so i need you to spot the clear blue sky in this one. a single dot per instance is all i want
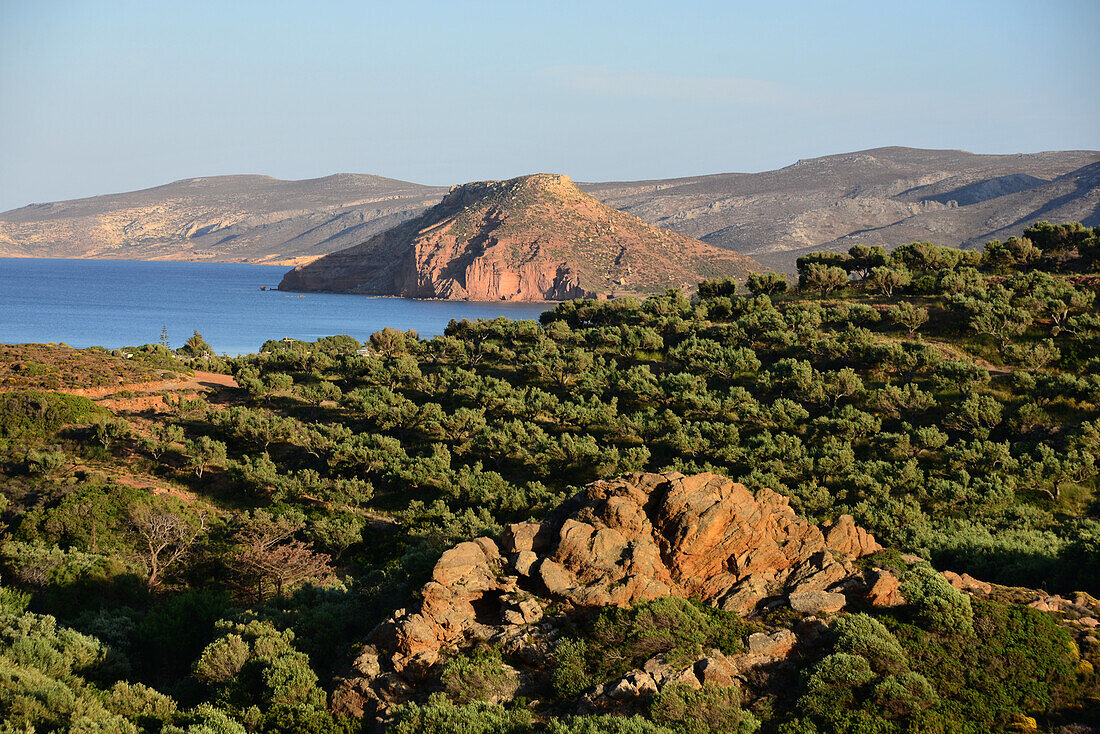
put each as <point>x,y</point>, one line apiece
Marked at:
<point>97,97</point>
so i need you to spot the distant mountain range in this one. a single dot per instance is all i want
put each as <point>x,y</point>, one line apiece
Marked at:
<point>882,196</point>
<point>220,218</point>
<point>532,238</point>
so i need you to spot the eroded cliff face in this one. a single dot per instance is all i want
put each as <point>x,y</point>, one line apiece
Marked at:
<point>533,238</point>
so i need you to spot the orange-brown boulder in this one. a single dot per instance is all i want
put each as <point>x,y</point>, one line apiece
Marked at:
<point>622,540</point>
<point>885,590</point>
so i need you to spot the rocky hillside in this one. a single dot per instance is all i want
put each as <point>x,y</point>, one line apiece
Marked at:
<point>884,196</point>
<point>888,196</point>
<point>636,540</point>
<point>222,218</point>
<point>532,238</point>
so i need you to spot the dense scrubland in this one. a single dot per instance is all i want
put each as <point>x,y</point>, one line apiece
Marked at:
<point>211,564</point>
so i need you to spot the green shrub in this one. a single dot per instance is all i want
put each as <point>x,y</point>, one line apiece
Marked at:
<point>30,413</point>
<point>859,634</point>
<point>140,703</point>
<point>833,684</point>
<point>935,603</point>
<point>606,725</point>
<point>621,639</point>
<point>570,675</point>
<point>480,675</point>
<point>702,711</point>
<point>440,716</point>
<point>1017,661</point>
<point>903,694</point>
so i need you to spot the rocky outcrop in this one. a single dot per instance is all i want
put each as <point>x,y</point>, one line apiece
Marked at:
<point>635,538</point>
<point>616,542</point>
<point>533,238</point>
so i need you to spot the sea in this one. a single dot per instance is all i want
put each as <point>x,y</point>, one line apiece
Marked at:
<point>119,303</point>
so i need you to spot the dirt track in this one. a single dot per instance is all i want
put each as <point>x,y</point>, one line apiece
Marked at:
<point>198,381</point>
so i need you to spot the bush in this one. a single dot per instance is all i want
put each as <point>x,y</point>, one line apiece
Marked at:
<point>570,675</point>
<point>479,676</point>
<point>440,716</point>
<point>832,684</point>
<point>859,634</point>
<point>141,704</point>
<point>607,725</point>
<point>904,694</point>
<point>680,628</point>
<point>934,603</point>
<point>701,711</point>
<point>29,413</point>
<point>1018,660</point>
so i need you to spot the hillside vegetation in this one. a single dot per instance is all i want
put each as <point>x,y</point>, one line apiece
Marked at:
<point>217,563</point>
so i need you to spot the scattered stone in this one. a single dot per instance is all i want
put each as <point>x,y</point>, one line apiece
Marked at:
<point>745,596</point>
<point>634,684</point>
<point>419,666</point>
<point>367,664</point>
<point>524,561</point>
<point>617,542</point>
<point>521,536</point>
<point>473,565</point>
<point>776,645</point>
<point>716,670</point>
<point>659,668</point>
<point>522,612</point>
<point>885,590</point>
<point>818,573</point>
<point>816,602</point>
<point>556,578</point>
<point>1083,599</point>
<point>686,677</point>
<point>810,630</point>
<point>966,582</point>
<point>846,538</point>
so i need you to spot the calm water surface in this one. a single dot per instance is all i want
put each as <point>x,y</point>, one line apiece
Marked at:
<point>116,303</point>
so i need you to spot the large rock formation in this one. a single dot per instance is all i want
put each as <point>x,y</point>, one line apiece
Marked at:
<point>532,238</point>
<point>635,538</point>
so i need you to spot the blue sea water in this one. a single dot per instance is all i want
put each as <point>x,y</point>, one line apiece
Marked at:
<point>116,303</point>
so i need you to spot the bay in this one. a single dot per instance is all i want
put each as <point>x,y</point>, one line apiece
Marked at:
<point>117,303</point>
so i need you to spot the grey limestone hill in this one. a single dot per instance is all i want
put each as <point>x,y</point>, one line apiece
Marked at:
<point>886,196</point>
<point>223,218</point>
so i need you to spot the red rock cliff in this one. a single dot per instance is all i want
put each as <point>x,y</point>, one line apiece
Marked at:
<point>533,238</point>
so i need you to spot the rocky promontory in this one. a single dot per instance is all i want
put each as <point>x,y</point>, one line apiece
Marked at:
<point>532,238</point>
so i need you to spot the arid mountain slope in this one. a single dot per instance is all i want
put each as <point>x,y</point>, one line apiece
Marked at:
<point>531,238</point>
<point>887,196</point>
<point>225,218</point>
<point>884,196</point>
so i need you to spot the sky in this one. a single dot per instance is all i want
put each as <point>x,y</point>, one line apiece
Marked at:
<point>100,97</point>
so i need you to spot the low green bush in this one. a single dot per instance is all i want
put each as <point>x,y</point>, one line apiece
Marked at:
<point>35,414</point>
<point>479,675</point>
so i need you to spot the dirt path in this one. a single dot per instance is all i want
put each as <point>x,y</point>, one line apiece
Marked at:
<point>152,484</point>
<point>955,352</point>
<point>199,381</point>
